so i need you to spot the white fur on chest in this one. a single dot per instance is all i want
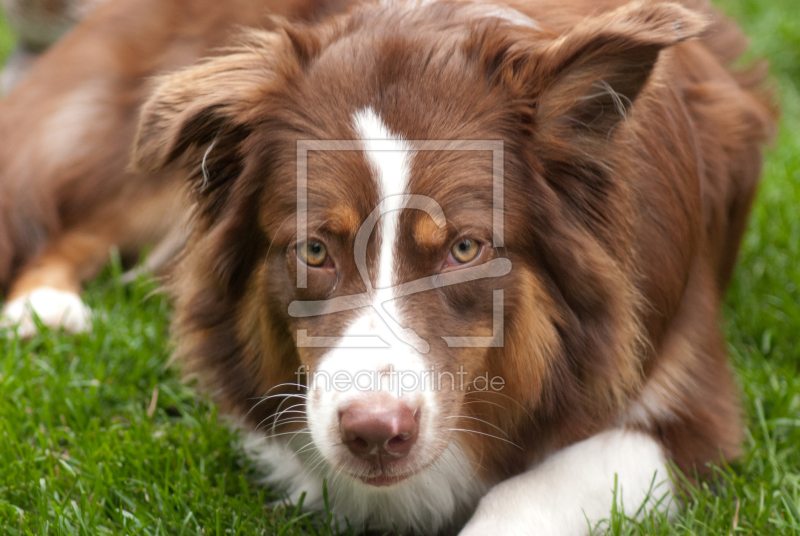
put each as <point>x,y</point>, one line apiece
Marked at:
<point>443,493</point>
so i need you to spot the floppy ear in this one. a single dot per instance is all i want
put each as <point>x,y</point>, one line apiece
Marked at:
<point>203,115</point>
<point>586,80</point>
<point>213,102</point>
<point>572,92</point>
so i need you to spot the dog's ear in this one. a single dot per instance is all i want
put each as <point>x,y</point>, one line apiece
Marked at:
<point>584,82</point>
<point>588,78</point>
<point>215,100</point>
<point>572,91</point>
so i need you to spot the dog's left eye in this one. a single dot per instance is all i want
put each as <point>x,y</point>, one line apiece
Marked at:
<point>313,253</point>
<point>465,251</point>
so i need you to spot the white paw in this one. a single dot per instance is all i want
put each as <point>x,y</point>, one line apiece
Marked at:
<point>55,308</point>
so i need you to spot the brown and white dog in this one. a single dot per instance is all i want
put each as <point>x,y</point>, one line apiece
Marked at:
<point>462,260</point>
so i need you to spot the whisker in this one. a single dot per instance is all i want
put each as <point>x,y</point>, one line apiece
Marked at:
<point>294,432</point>
<point>479,420</point>
<point>278,411</point>
<point>262,428</point>
<point>287,411</point>
<point>308,446</point>
<point>267,396</point>
<point>485,434</point>
<point>507,397</point>
<point>290,421</point>
<point>280,422</point>
<point>286,384</point>
<point>469,459</point>
<point>485,402</point>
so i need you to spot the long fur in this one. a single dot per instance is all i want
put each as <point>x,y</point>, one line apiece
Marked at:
<point>632,151</point>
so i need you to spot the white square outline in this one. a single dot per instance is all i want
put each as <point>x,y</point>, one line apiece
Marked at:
<point>497,149</point>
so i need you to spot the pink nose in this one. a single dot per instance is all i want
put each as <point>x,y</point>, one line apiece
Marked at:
<point>379,427</point>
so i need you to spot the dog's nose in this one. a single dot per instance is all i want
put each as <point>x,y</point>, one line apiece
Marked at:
<point>382,426</point>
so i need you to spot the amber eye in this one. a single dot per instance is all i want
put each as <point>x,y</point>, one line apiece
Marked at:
<point>465,250</point>
<point>313,253</point>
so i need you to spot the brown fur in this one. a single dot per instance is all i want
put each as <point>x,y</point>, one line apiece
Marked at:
<point>632,153</point>
<point>619,221</point>
<point>68,127</point>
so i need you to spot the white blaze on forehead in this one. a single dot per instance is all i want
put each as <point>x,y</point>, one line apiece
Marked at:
<point>389,155</point>
<point>345,373</point>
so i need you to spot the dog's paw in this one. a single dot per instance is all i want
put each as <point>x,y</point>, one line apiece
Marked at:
<point>55,309</point>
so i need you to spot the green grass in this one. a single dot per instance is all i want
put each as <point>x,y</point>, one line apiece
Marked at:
<point>6,37</point>
<point>98,435</point>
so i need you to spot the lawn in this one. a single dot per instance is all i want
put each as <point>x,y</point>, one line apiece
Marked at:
<point>98,435</point>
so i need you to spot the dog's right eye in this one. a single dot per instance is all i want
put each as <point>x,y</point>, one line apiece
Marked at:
<point>465,251</point>
<point>313,253</point>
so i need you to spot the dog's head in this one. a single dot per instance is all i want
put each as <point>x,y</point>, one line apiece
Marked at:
<point>410,257</point>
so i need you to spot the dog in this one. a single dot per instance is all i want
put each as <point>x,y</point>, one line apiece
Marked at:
<point>459,262</point>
